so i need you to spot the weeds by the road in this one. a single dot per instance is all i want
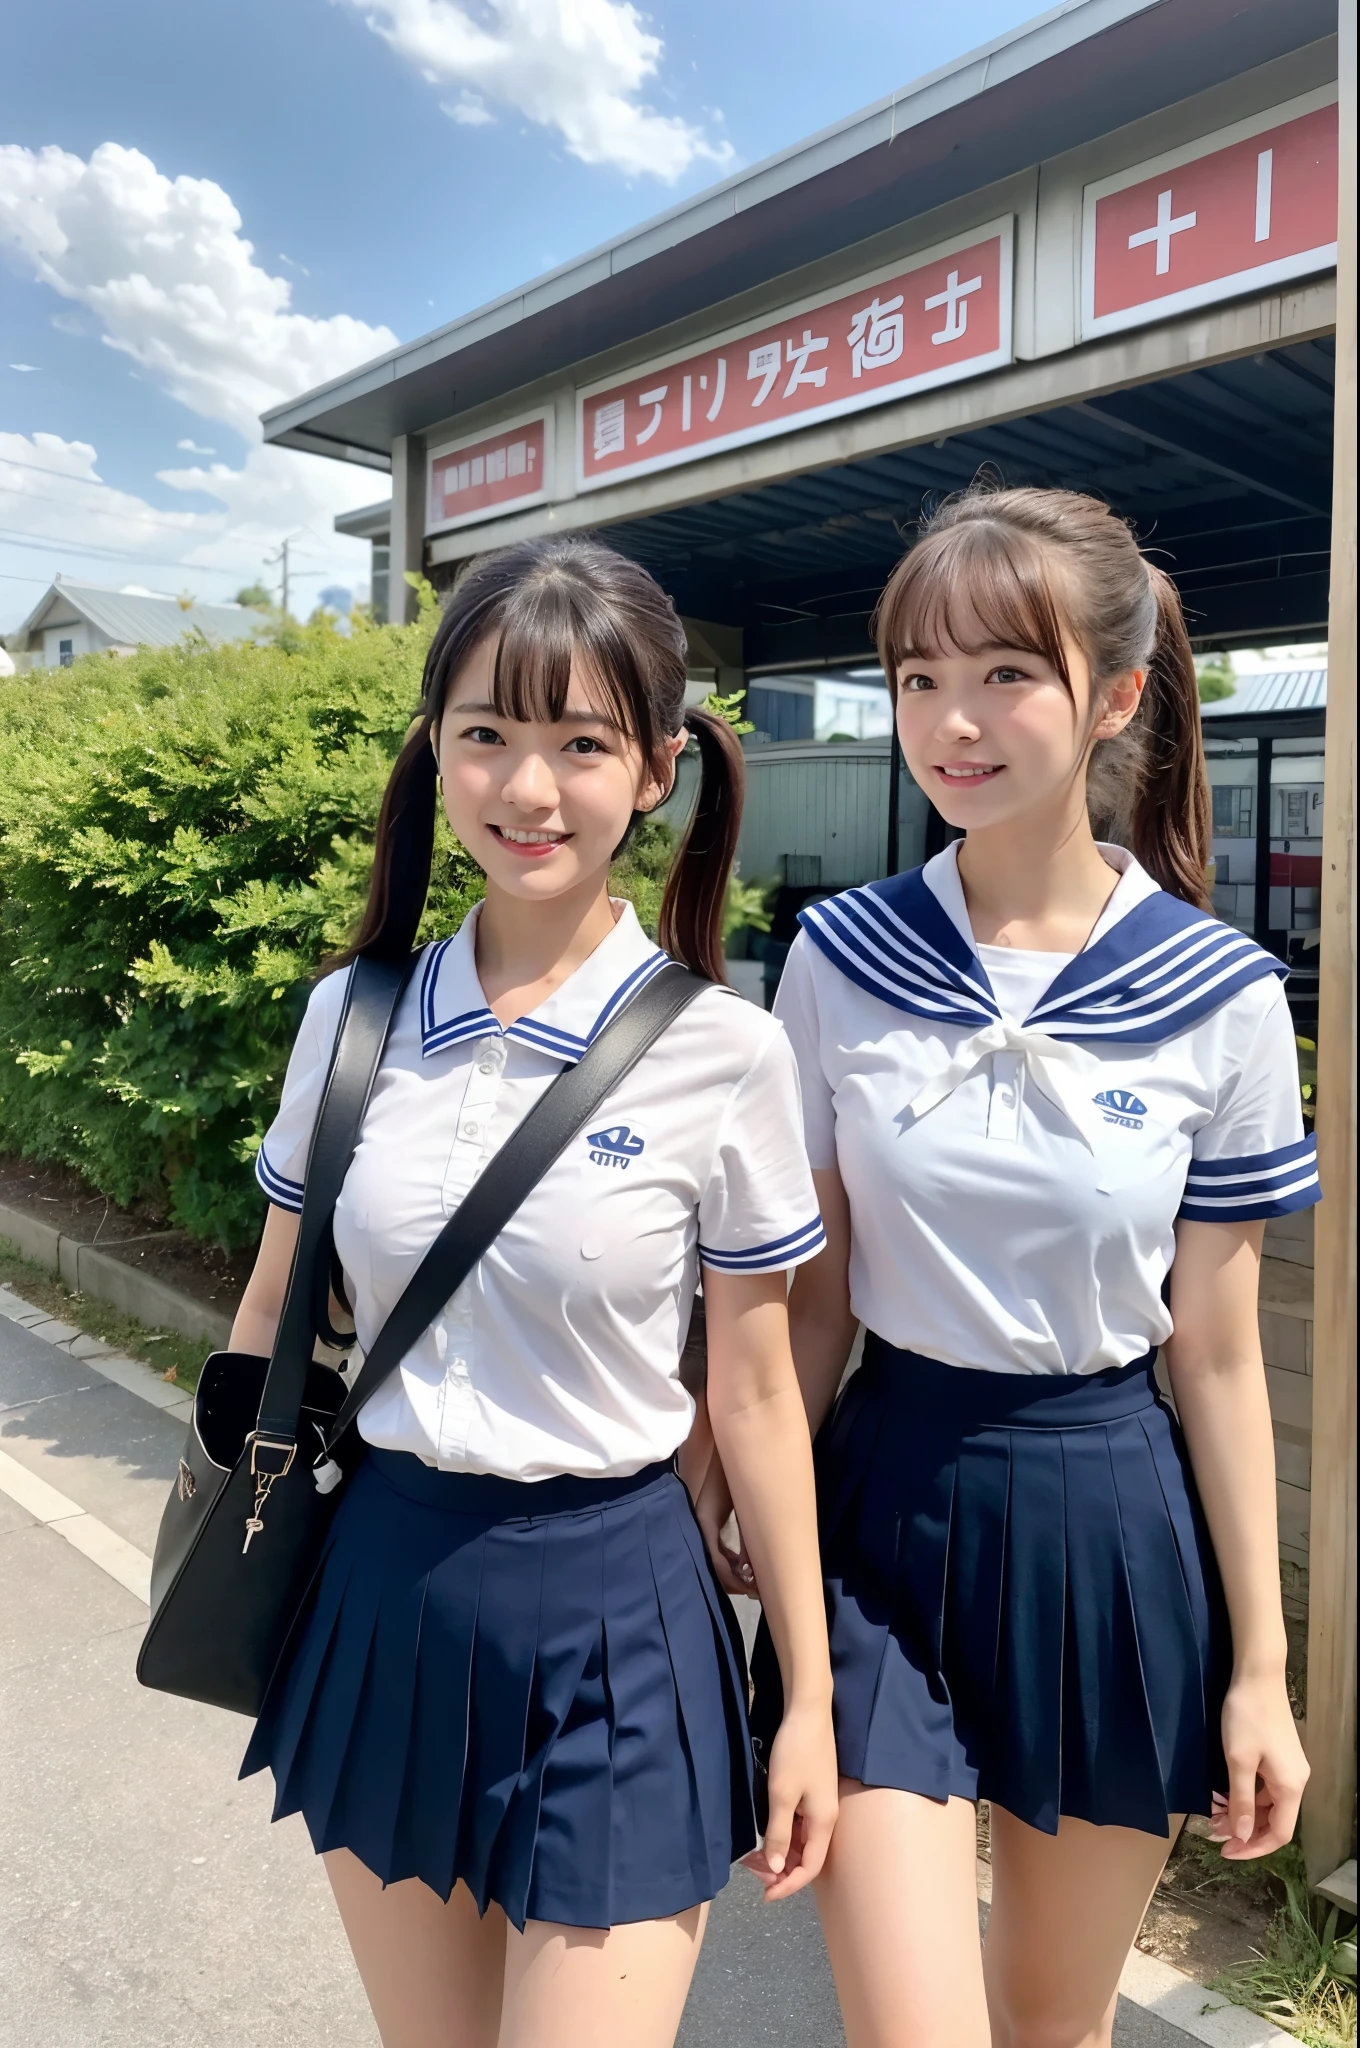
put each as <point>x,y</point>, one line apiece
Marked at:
<point>1303,1977</point>
<point>176,1358</point>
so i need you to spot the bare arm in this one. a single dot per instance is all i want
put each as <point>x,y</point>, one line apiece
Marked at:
<point>821,1331</point>
<point>760,1429</point>
<point>1218,1379</point>
<point>262,1303</point>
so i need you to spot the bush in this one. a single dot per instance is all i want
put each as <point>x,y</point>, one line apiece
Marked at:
<point>184,835</point>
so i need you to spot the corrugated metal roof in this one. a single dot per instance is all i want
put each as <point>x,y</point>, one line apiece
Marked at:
<point>133,620</point>
<point>1288,689</point>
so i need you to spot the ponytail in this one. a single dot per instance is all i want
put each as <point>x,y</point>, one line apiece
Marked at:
<point>692,908</point>
<point>403,852</point>
<point>1171,824</point>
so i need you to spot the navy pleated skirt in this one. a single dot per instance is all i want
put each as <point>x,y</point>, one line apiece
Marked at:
<point>538,1689</point>
<point>1022,1598</point>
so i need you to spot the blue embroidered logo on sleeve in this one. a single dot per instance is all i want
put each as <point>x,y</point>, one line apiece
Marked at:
<point>1154,974</point>
<point>615,1146</point>
<point>1121,1107</point>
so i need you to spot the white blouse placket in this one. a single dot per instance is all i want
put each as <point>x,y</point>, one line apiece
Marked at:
<point>454,1332</point>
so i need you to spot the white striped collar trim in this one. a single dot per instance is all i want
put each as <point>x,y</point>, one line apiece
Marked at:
<point>453,1008</point>
<point>1151,971</point>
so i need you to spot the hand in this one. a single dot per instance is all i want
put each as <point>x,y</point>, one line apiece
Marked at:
<point>713,1509</point>
<point>1267,1770</point>
<point>803,1803</point>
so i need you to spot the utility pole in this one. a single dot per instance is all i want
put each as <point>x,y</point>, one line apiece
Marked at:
<point>282,558</point>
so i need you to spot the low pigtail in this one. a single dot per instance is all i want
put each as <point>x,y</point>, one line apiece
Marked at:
<point>1171,820</point>
<point>403,852</point>
<point>691,920</point>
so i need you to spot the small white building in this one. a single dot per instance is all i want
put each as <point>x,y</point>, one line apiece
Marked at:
<point>84,618</point>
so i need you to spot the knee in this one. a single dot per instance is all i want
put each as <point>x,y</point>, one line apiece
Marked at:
<point>1051,2027</point>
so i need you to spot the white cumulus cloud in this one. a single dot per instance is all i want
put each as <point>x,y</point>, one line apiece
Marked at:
<point>163,266</point>
<point>57,513</point>
<point>161,272</point>
<point>576,66</point>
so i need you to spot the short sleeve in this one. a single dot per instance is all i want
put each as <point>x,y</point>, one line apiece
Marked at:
<point>758,1213</point>
<point>281,1162</point>
<point>796,1008</point>
<point>1254,1159</point>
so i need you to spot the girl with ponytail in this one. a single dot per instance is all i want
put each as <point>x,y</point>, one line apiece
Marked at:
<point>513,1709</point>
<point>1050,1104</point>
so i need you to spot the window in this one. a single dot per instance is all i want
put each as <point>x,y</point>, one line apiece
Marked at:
<point>782,714</point>
<point>1296,814</point>
<point>66,653</point>
<point>1233,807</point>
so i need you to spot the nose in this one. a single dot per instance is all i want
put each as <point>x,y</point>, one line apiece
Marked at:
<point>530,784</point>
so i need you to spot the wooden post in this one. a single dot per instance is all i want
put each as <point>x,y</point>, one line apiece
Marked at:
<point>1328,1813</point>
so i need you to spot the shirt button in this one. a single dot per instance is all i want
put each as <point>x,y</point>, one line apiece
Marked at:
<point>487,1066</point>
<point>470,1130</point>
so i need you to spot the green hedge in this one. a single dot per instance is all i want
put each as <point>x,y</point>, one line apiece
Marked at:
<point>184,835</point>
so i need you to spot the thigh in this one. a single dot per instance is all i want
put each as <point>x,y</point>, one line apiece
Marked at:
<point>898,1900</point>
<point>432,1972</point>
<point>1066,1910</point>
<point>589,1987</point>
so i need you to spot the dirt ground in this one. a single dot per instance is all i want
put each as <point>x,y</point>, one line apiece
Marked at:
<point>57,1196</point>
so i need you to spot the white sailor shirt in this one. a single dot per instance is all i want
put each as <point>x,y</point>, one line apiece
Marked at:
<point>1016,1153</point>
<point>560,1352</point>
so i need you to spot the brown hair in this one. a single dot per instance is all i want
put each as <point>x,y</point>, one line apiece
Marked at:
<point>1015,568</point>
<point>548,602</point>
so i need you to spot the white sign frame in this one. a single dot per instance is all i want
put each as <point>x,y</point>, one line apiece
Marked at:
<point>765,430</point>
<point>544,416</point>
<point>1280,271</point>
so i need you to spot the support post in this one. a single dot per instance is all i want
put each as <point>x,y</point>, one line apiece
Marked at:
<point>1329,1805</point>
<point>1260,916</point>
<point>408,526</point>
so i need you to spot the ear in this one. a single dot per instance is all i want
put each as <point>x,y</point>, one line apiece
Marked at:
<point>434,739</point>
<point>1121,703</point>
<point>652,794</point>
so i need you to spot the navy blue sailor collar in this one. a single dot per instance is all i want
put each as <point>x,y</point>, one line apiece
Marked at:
<point>453,1007</point>
<point>1152,968</point>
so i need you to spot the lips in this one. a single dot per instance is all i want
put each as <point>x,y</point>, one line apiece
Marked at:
<point>527,844</point>
<point>967,775</point>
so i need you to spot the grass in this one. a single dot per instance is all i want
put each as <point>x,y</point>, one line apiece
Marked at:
<point>176,1358</point>
<point>1303,1978</point>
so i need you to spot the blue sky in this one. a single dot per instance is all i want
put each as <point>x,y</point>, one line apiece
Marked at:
<point>392,163</point>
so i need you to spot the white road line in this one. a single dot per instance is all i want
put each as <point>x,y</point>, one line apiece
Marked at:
<point>86,1533</point>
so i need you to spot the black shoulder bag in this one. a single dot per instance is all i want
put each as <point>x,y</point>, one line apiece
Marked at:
<point>271,1439</point>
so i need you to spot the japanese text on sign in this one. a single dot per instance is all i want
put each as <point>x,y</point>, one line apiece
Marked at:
<point>504,468</point>
<point>947,315</point>
<point>1252,207</point>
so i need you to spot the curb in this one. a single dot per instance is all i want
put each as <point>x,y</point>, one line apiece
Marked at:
<point>87,1270</point>
<point>131,1374</point>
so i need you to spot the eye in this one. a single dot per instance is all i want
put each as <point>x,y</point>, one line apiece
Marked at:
<point>1008,675</point>
<point>913,684</point>
<point>482,736</point>
<point>584,744</point>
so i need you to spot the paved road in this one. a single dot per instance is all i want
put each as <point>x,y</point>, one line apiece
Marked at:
<point>145,1901</point>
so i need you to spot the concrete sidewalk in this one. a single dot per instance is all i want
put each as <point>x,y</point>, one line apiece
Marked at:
<point>144,1898</point>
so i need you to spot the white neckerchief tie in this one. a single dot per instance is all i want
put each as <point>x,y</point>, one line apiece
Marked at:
<point>1061,1071</point>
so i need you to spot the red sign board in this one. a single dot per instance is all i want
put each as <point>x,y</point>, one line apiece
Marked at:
<point>946,314</point>
<point>1252,206</point>
<point>501,469</point>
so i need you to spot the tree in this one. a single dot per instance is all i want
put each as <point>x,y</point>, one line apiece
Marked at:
<point>255,597</point>
<point>1214,673</point>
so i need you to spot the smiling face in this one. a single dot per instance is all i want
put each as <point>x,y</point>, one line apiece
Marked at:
<point>992,733</point>
<point>541,805</point>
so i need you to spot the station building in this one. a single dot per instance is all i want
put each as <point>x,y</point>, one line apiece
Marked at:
<point>1101,253</point>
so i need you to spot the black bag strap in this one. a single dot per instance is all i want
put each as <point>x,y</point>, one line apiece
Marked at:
<point>371,998</point>
<point>561,1112</point>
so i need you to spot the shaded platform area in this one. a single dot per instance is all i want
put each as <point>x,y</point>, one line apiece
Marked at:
<point>1225,472</point>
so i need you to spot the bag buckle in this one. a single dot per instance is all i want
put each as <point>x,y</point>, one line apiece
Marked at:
<point>271,1458</point>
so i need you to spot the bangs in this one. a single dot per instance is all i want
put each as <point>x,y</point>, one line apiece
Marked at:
<point>972,586</point>
<point>548,623</point>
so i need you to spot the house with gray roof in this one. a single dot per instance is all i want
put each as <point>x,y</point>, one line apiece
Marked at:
<point>85,618</point>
